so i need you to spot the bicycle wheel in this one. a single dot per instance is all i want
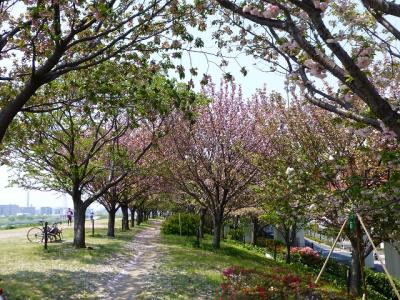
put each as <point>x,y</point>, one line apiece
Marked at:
<point>51,237</point>
<point>35,235</point>
<point>60,235</point>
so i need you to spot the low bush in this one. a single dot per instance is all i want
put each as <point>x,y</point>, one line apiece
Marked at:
<point>311,258</point>
<point>306,255</point>
<point>379,283</point>
<point>236,234</point>
<point>189,224</point>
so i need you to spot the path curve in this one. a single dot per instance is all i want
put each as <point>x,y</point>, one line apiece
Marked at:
<point>134,278</point>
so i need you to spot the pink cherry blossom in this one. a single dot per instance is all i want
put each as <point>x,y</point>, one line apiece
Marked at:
<point>247,8</point>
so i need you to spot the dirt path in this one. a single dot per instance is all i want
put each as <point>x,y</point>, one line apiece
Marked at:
<point>135,278</point>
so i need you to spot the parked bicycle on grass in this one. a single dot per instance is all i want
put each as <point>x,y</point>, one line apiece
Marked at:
<point>37,234</point>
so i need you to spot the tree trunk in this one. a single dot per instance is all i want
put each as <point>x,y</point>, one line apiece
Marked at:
<point>357,261</point>
<point>203,212</point>
<point>140,216</point>
<point>236,222</point>
<point>125,217</point>
<point>288,243</point>
<point>133,210</point>
<point>217,226</point>
<point>111,222</point>
<point>13,107</point>
<point>288,256</point>
<point>254,231</point>
<point>79,223</point>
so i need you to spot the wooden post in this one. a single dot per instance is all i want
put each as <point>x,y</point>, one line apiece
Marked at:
<point>45,235</point>
<point>180,225</point>
<point>376,251</point>
<point>198,238</point>
<point>348,277</point>
<point>330,253</point>
<point>92,226</point>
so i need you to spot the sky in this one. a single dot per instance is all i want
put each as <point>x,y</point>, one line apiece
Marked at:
<point>19,196</point>
<point>254,80</point>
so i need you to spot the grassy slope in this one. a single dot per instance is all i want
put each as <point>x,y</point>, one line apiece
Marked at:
<point>29,272</point>
<point>196,273</point>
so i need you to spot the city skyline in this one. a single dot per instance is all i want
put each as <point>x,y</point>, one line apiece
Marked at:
<point>19,196</point>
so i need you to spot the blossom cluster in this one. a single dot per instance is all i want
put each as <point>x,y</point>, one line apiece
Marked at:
<point>289,47</point>
<point>315,68</point>
<point>322,5</point>
<point>271,11</point>
<point>364,58</point>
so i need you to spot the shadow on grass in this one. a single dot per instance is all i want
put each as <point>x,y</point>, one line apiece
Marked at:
<point>99,247</point>
<point>174,284</point>
<point>59,284</point>
<point>227,249</point>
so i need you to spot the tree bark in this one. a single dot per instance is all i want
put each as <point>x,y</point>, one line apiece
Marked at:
<point>254,231</point>
<point>8,113</point>
<point>236,222</point>
<point>217,226</point>
<point>79,222</point>
<point>288,246</point>
<point>357,261</point>
<point>203,212</point>
<point>140,216</point>
<point>111,222</point>
<point>133,210</point>
<point>290,235</point>
<point>125,216</point>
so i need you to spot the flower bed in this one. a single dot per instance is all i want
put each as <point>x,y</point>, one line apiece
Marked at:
<point>306,255</point>
<point>242,283</point>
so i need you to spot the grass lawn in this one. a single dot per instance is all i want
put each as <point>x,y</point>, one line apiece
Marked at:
<point>192,273</point>
<point>27,271</point>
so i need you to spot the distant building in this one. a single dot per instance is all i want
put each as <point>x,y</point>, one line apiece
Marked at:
<point>9,210</point>
<point>61,211</point>
<point>46,210</point>
<point>27,210</point>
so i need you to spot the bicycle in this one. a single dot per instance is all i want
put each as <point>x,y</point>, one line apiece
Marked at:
<point>37,234</point>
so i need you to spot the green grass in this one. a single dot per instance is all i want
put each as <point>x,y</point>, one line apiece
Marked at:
<point>188,272</point>
<point>27,271</point>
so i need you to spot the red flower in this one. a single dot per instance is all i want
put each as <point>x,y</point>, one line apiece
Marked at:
<point>228,272</point>
<point>291,280</point>
<point>261,292</point>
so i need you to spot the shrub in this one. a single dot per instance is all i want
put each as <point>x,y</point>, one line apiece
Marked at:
<point>270,245</point>
<point>236,234</point>
<point>189,224</point>
<point>379,283</point>
<point>306,255</point>
<point>311,258</point>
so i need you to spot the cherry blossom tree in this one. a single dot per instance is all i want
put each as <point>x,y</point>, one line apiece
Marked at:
<point>342,56</point>
<point>287,187</point>
<point>42,40</point>
<point>62,154</point>
<point>69,150</point>
<point>208,159</point>
<point>119,159</point>
<point>336,170</point>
